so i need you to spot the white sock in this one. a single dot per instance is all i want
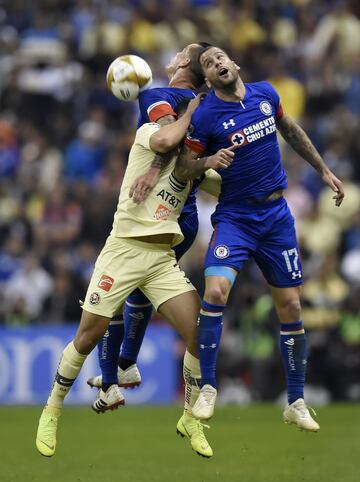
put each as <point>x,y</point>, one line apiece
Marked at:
<point>69,367</point>
<point>192,377</point>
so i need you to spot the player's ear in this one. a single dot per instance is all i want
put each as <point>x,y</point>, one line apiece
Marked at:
<point>207,83</point>
<point>185,63</point>
<point>236,65</point>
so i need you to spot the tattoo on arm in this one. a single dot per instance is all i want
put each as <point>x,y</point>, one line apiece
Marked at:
<point>166,120</point>
<point>300,142</point>
<point>161,160</point>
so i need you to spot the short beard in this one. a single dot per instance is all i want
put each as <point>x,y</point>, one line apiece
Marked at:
<point>226,88</point>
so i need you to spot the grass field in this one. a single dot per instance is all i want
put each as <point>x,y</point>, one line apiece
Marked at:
<point>139,444</point>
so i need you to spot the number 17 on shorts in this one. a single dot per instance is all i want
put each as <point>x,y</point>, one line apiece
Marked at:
<point>291,257</point>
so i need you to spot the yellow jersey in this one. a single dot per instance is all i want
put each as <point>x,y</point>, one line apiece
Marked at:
<point>159,213</point>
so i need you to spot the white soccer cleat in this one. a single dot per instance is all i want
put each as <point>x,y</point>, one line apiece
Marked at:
<point>298,413</point>
<point>129,378</point>
<point>95,382</point>
<point>109,400</point>
<point>204,406</point>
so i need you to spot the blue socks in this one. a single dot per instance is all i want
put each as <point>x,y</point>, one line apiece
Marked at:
<point>108,350</point>
<point>137,314</point>
<point>209,335</point>
<point>294,356</point>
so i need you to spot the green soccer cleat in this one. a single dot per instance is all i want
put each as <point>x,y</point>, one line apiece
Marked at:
<point>193,429</point>
<point>46,434</point>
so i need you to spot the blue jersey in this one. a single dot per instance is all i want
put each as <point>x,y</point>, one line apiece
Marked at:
<point>256,170</point>
<point>156,103</point>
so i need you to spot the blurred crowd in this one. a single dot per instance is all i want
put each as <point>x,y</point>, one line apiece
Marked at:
<point>64,141</point>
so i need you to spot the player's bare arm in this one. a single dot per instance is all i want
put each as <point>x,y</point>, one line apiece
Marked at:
<point>190,166</point>
<point>163,142</point>
<point>144,184</point>
<point>302,145</point>
<point>169,136</point>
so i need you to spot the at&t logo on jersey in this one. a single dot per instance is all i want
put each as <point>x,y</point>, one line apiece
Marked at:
<point>105,282</point>
<point>221,251</point>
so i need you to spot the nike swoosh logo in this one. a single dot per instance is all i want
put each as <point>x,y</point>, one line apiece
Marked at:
<point>51,447</point>
<point>65,381</point>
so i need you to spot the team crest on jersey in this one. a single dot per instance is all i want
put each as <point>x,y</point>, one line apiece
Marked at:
<point>221,251</point>
<point>105,282</point>
<point>162,213</point>
<point>265,107</point>
<point>94,298</point>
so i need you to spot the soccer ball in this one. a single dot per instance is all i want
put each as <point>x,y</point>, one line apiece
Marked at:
<point>127,76</point>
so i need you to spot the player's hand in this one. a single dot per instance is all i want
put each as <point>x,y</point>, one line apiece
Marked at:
<point>143,185</point>
<point>222,159</point>
<point>336,185</point>
<point>194,103</point>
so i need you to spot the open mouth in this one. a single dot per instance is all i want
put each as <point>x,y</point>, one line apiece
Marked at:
<point>223,71</point>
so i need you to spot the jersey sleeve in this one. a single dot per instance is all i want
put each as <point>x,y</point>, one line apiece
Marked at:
<point>153,106</point>
<point>197,140</point>
<point>211,183</point>
<point>279,112</point>
<point>144,134</point>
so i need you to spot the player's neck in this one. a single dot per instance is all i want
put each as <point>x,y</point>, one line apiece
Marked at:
<point>232,93</point>
<point>182,85</point>
<point>181,81</point>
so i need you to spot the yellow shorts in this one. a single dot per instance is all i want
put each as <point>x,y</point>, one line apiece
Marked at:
<point>125,264</point>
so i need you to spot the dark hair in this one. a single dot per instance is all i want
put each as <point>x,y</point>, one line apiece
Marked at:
<point>204,49</point>
<point>204,44</point>
<point>195,67</point>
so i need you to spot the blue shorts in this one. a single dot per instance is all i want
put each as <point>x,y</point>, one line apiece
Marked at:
<point>189,225</point>
<point>266,234</point>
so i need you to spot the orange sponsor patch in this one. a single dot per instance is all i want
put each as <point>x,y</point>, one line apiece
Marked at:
<point>162,213</point>
<point>105,282</point>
